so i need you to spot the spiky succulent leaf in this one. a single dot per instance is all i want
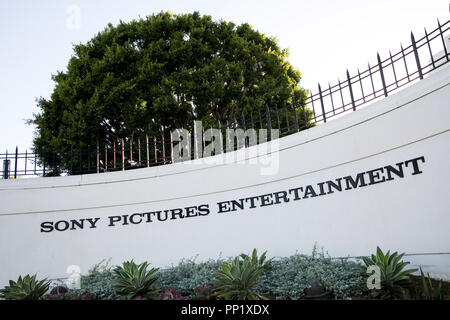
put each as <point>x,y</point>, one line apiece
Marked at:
<point>236,280</point>
<point>394,279</point>
<point>26,288</point>
<point>134,280</point>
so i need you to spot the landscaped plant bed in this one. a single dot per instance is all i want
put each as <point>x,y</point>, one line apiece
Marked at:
<point>297,277</point>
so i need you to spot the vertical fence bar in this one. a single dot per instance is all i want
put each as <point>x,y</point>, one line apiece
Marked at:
<point>321,103</point>
<point>371,80</point>
<point>15,163</point>
<point>228,141</point>
<point>287,117</point>
<point>342,97</point>
<point>80,160</point>
<point>416,55</point>
<point>351,91</point>
<point>380,67</point>
<point>203,140</point>
<point>156,150</point>
<point>139,150</point>
<point>106,157</point>
<point>114,152</point>
<point>221,144</point>
<point>98,157</point>
<point>7,165</point>
<point>429,48</point>
<point>312,104</point>
<point>404,61</point>
<point>443,41</point>
<point>269,123</point>
<point>163,149</point>
<point>393,69</point>
<point>297,129</point>
<point>179,143</point>
<point>242,120</point>
<point>123,155</point>
<point>131,151</point>
<point>148,151</point>
<point>361,86</point>
<point>331,97</point>
<point>171,147</point>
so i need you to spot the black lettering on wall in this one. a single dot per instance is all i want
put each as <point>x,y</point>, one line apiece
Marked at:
<point>337,186</point>
<point>47,226</point>
<point>239,204</point>
<point>203,209</point>
<point>374,176</point>
<point>78,223</point>
<point>359,180</point>
<point>398,172</point>
<point>415,163</point>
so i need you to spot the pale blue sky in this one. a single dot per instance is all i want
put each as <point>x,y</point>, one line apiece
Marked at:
<point>324,37</point>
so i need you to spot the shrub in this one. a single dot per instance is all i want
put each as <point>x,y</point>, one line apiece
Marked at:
<point>134,281</point>
<point>394,280</point>
<point>189,275</point>
<point>287,277</point>
<point>26,288</point>
<point>236,281</point>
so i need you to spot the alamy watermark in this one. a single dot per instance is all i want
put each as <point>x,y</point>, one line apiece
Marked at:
<point>374,280</point>
<point>73,281</point>
<point>73,21</point>
<point>214,146</point>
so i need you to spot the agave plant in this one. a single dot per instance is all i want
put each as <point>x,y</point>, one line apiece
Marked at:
<point>236,281</point>
<point>134,281</point>
<point>430,292</point>
<point>394,280</point>
<point>26,288</point>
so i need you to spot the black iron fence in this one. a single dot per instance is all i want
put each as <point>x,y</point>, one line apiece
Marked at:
<point>378,80</point>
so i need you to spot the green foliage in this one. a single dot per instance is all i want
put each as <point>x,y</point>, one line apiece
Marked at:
<point>26,288</point>
<point>287,277</point>
<point>134,281</point>
<point>394,280</point>
<point>237,280</point>
<point>98,283</point>
<point>162,70</point>
<point>430,292</point>
<point>189,275</point>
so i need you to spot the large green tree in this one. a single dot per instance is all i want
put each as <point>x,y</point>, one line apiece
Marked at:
<point>163,71</point>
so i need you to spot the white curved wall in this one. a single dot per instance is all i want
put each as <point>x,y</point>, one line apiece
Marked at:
<point>409,214</point>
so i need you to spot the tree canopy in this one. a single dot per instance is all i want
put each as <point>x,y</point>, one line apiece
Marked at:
<point>163,71</point>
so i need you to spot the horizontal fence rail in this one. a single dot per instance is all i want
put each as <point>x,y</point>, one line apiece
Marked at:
<point>381,77</point>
